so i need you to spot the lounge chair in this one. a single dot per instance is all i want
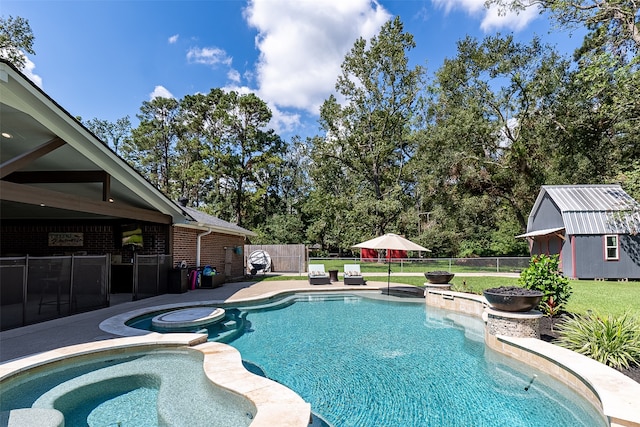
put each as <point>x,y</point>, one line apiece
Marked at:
<point>352,275</point>
<point>317,275</point>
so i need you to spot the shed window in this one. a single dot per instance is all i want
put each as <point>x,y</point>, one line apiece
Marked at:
<point>611,247</point>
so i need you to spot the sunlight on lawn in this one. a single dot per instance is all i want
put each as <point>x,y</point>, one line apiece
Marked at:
<point>602,297</point>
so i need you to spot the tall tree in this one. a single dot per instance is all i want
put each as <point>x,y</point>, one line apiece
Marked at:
<point>114,134</point>
<point>155,140</point>
<point>366,144</point>
<point>16,38</point>
<point>487,152</point>
<point>248,152</point>
<point>199,177</point>
<point>616,21</point>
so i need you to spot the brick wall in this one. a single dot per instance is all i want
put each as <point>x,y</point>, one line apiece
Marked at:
<point>99,237</point>
<point>212,250</point>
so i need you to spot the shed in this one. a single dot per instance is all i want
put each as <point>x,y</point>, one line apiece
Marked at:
<point>594,229</point>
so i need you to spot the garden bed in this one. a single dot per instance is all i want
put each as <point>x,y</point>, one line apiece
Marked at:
<point>550,335</point>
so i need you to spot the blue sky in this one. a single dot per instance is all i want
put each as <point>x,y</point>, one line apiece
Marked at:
<point>104,58</point>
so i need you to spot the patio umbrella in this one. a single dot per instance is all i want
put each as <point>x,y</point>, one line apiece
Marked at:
<point>391,241</point>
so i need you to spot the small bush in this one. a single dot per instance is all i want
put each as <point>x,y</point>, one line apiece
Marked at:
<point>543,275</point>
<point>614,341</point>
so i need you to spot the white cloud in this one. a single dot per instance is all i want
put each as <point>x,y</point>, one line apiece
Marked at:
<point>302,45</point>
<point>174,38</point>
<point>281,121</point>
<point>233,75</point>
<point>208,56</point>
<point>492,19</point>
<point>29,66</point>
<point>160,92</point>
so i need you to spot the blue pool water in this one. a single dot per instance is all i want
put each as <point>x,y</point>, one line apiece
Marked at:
<point>165,387</point>
<point>366,362</point>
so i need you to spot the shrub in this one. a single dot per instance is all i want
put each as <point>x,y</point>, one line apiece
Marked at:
<point>614,341</point>
<point>543,275</point>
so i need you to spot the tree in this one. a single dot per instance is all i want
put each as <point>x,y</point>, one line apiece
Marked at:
<point>366,146</point>
<point>16,38</point>
<point>155,140</point>
<point>199,178</point>
<point>615,22</point>
<point>486,150</point>
<point>247,154</point>
<point>114,134</point>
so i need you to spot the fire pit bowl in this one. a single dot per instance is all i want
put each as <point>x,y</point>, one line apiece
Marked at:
<point>438,277</point>
<point>511,298</point>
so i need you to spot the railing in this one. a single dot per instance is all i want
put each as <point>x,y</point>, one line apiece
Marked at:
<point>35,289</point>
<point>150,275</point>
<point>421,265</point>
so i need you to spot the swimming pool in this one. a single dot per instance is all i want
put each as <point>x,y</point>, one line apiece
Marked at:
<point>161,387</point>
<point>364,361</point>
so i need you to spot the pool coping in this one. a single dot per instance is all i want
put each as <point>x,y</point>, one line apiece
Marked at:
<point>617,396</point>
<point>613,390</point>
<point>275,404</point>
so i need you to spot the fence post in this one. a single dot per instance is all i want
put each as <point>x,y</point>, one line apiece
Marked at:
<point>497,265</point>
<point>71,287</point>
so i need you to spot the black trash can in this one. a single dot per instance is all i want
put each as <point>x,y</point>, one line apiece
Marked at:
<point>178,280</point>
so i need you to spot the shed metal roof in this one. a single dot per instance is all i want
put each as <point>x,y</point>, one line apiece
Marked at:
<point>589,198</point>
<point>594,209</point>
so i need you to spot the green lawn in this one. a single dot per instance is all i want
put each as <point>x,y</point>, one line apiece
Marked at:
<point>469,265</point>
<point>601,297</point>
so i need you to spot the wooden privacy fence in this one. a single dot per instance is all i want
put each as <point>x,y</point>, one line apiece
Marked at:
<point>284,258</point>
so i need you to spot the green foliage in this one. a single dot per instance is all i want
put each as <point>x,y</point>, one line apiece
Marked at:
<point>485,147</point>
<point>550,307</point>
<point>630,180</point>
<point>114,134</point>
<point>280,229</point>
<point>543,275</point>
<point>614,341</point>
<point>15,37</point>
<point>359,166</point>
<point>614,24</point>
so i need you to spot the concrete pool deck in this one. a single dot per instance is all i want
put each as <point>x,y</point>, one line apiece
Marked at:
<point>84,329</point>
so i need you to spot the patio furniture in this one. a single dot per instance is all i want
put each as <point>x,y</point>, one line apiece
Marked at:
<point>352,275</point>
<point>317,275</point>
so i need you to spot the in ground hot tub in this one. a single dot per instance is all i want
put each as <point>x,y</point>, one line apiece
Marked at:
<point>188,318</point>
<point>160,387</point>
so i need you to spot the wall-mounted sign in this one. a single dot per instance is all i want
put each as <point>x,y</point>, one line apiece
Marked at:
<point>66,239</point>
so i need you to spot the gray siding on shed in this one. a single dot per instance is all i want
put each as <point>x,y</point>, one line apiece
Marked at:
<point>547,215</point>
<point>587,213</point>
<point>591,263</point>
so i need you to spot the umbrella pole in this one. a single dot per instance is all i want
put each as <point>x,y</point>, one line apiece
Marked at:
<point>388,275</point>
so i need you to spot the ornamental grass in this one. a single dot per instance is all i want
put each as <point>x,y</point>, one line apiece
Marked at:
<point>612,340</point>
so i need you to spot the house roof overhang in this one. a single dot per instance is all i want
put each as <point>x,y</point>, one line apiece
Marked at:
<point>216,229</point>
<point>53,167</point>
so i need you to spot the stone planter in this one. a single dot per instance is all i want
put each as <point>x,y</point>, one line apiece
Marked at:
<point>438,277</point>
<point>512,299</point>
